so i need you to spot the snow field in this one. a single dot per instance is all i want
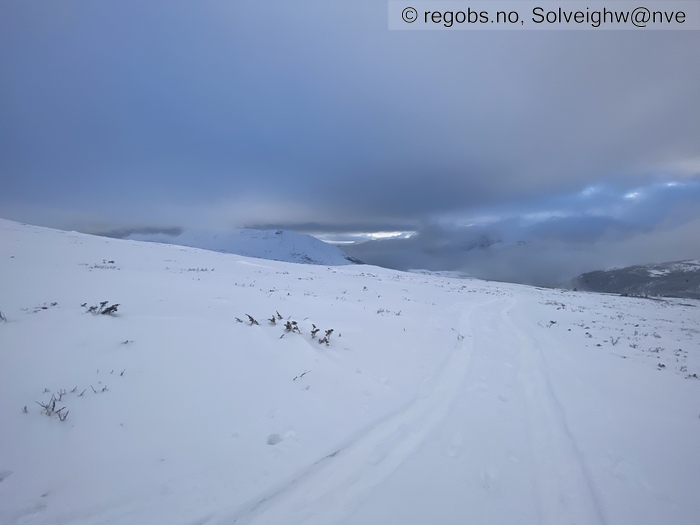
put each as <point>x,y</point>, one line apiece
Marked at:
<point>437,400</point>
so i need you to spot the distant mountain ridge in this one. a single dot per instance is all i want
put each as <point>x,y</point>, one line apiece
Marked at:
<point>276,245</point>
<point>671,279</point>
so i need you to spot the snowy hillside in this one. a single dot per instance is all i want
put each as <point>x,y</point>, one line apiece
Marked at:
<point>672,279</point>
<point>276,245</point>
<point>435,400</point>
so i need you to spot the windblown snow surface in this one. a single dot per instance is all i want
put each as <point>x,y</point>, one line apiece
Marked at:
<point>437,400</point>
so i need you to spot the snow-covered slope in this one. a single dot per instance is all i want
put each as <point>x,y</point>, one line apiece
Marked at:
<point>671,279</point>
<point>276,245</point>
<point>436,400</point>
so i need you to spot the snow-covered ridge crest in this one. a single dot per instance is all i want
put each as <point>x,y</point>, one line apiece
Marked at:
<point>276,245</point>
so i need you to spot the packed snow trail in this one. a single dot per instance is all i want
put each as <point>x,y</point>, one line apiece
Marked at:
<point>503,455</point>
<point>492,355</point>
<point>565,492</point>
<point>333,486</point>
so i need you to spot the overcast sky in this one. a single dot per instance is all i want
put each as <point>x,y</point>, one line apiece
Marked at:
<point>313,116</point>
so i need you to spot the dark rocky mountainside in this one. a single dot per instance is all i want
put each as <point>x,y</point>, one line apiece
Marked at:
<point>672,279</point>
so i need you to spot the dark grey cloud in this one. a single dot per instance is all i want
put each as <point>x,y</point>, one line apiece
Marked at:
<point>312,115</point>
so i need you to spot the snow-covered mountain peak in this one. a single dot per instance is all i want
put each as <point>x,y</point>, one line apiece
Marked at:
<point>276,245</point>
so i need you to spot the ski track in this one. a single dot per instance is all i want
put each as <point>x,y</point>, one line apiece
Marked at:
<point>332,487</point>
<point>565,492</point>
